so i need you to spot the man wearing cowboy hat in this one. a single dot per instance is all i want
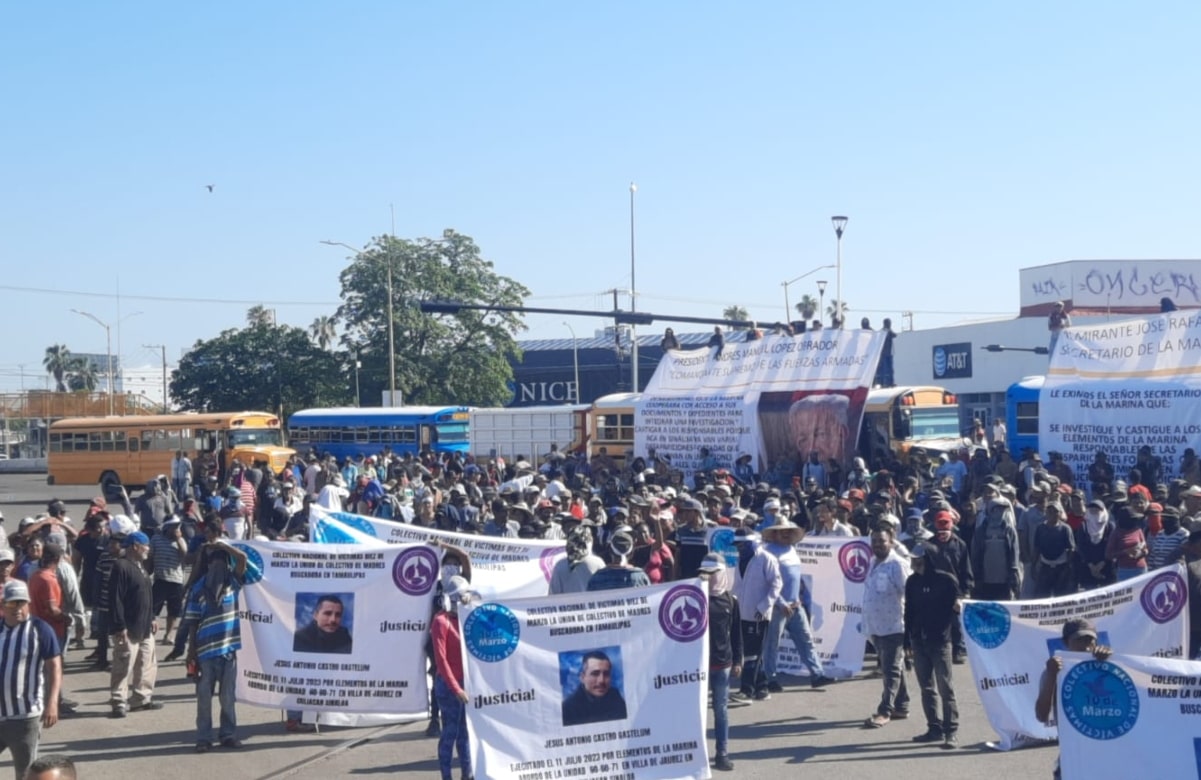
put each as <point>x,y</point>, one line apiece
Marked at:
<point>788,612</point>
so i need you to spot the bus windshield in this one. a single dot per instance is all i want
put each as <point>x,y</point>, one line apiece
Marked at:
<point>935,422</point>
<point>256,437</point>
<point>451,432</point>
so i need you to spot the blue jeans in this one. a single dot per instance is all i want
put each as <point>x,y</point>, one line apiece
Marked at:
<point>454,730</point>
<point>797,626</point>
<point>1125,574</point>
<point>719,686</point>
<point>216,673</point>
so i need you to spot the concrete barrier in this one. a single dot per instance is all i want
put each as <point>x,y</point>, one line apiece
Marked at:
<point>23,466</point>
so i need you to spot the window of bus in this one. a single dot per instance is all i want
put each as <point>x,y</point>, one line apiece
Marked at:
<point>450,432</point>
<point>1026,416</point>
<point>255,437</point>
<point>615,427</point>
<point>939,422</point>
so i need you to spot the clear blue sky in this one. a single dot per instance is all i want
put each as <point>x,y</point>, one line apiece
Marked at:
<point>964,140</point>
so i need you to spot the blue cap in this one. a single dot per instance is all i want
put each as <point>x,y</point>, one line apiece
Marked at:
<point>137,537</point>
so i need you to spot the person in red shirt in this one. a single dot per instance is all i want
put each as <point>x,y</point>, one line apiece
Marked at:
<point>448,680</point>
<point>46,594</point>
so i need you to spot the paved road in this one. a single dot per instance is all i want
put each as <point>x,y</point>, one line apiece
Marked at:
<point>819,730</point>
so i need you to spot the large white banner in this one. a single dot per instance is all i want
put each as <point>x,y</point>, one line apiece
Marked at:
<point>1009,642</point>
<point>834,570</point>
<point>1130,715</point>
<point>508,568</point>
<point>1119,386</point>
<point>776,399</point>
<point>336,628</point>
<point>609,685</point>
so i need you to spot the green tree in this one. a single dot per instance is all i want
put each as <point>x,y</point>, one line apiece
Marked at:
<point>807,307</point>
<point>837,312</point>
<point>261,366</point>
<point>734,313</point>
<point>260,315</point>
<point>57,362</point>
<point>446,358</point>
<point>81,374</point>
<point>324,331</point>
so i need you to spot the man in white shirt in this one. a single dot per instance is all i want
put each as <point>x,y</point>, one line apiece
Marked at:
<point>884,622</point>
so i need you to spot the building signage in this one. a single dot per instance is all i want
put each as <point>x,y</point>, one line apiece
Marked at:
<point>953,361</point>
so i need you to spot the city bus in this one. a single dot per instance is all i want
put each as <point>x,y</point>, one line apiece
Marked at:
<point>612,425</point>
<point>899,419</point>
<point>354,432</point>
<point>134,450</point>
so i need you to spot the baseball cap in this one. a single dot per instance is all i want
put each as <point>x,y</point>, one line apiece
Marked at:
<point>712,563</point>
<point>693,504</point>
<point>771,503</point>
<point>6,554</point>
<point>137,537</point>
<point>16,591</point>
<point>1078,627</point>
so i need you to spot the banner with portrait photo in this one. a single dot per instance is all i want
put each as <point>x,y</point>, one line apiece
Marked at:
<point>604,685</point>
<point>336,627</point>
<point>833,570</point>
<point>500,567</point>
<point>1129,716</point>
<point>1009,642</point>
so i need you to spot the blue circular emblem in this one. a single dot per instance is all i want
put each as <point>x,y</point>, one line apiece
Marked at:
<point>491,632</point>
<point>1099,700</point>
<point>987,623</point>
<point>940,361</point>
<point>722,543</point>
<point>325,532</point>
<point>254,563</point>
<point>357,522</point>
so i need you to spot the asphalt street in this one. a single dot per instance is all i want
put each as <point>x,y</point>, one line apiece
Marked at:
<point>820,731</point>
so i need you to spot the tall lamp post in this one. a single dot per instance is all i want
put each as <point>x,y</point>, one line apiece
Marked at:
<point>633,293</point>
<point>391,324</point>
<point>785,285</point>
<point>108,350</point>
<point>821,299</point>
<point>840,224</point>
<point>575,354</point>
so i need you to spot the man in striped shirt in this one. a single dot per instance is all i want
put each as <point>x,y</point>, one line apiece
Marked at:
<point>31,668</point>
<point>215,639</point>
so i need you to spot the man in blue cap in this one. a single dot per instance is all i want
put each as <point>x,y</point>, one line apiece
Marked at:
<point>132,627</point>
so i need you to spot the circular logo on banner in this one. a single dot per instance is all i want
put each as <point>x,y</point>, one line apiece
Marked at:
<point>549,558</point>
<point>1164,597</point>
<point>414,570</point>
<point>254,563</point>
<point>1099,700</point>
<point>491,632</point>
<point>722,543</point>
<point>987,623</point>
<point>940,361</point>
<point>855,558</point>
<point>360,524</point>
<point>684,613</point>
<point>328,533</point>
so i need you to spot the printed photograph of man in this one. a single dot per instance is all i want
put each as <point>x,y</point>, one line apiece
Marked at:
<point>820,427</point>
<point>325,622</point>
<point>591,686</point>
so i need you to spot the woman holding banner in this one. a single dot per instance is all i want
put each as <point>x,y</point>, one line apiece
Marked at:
<point>448,679</point>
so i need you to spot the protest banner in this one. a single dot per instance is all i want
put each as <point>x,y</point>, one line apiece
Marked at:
<point>1129,716</point>
<point>1119,386</point>
<point>777,399</point>
<point>500,567</point>
<point>1009,642</point>
<point>336,628</point>
<point>833,569</point>
<point>604,685</point>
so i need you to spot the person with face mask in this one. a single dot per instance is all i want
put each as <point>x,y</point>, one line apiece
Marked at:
<point>572,574</point>
<point>995,553</point>
<point>725,652</point>
<point>619,573</point>
<point>455,563</point>
<point>757,587</point>
<point>1166,545</point>
<point>1093,568</point>
<point>448,679</point>
<point>947,552</point>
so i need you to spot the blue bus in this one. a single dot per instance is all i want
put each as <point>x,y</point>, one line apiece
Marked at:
<point>353,432</point>
<point>1021,414</point>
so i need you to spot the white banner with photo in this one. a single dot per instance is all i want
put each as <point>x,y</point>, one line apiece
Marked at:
<point>1122,385</point>
<point>1129,716</point>
<point>336,628</point>
<point>1009,642</point>
<point>607,685</point>
<point>833,569</point>
<point>500,567</point>
<point>776,399</point>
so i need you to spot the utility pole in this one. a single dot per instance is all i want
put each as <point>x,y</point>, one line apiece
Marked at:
<point>162,347</point>
<point>616,335</point>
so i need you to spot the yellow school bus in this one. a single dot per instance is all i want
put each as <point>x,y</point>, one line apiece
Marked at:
<point>898,419</point>
<point>611,420</point>
<point>135,450</point>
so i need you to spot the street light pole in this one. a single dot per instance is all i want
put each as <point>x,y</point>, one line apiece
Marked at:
<point>163,347</point>
<point>840,224</point>
<point>575,354</point>
<point>821,299</point>
<point>108,349</point>
<point>785,285</point>
<point>391,323</point>
<point>633,293</point>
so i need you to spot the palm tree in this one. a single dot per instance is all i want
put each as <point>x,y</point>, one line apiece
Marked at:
<point>82,374</point>
<point>58,364</point>
<point>837,312</point>
<point>735,313</point>
<point>323,331</point>
<point>260,317</point>
<point>807,307</point>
